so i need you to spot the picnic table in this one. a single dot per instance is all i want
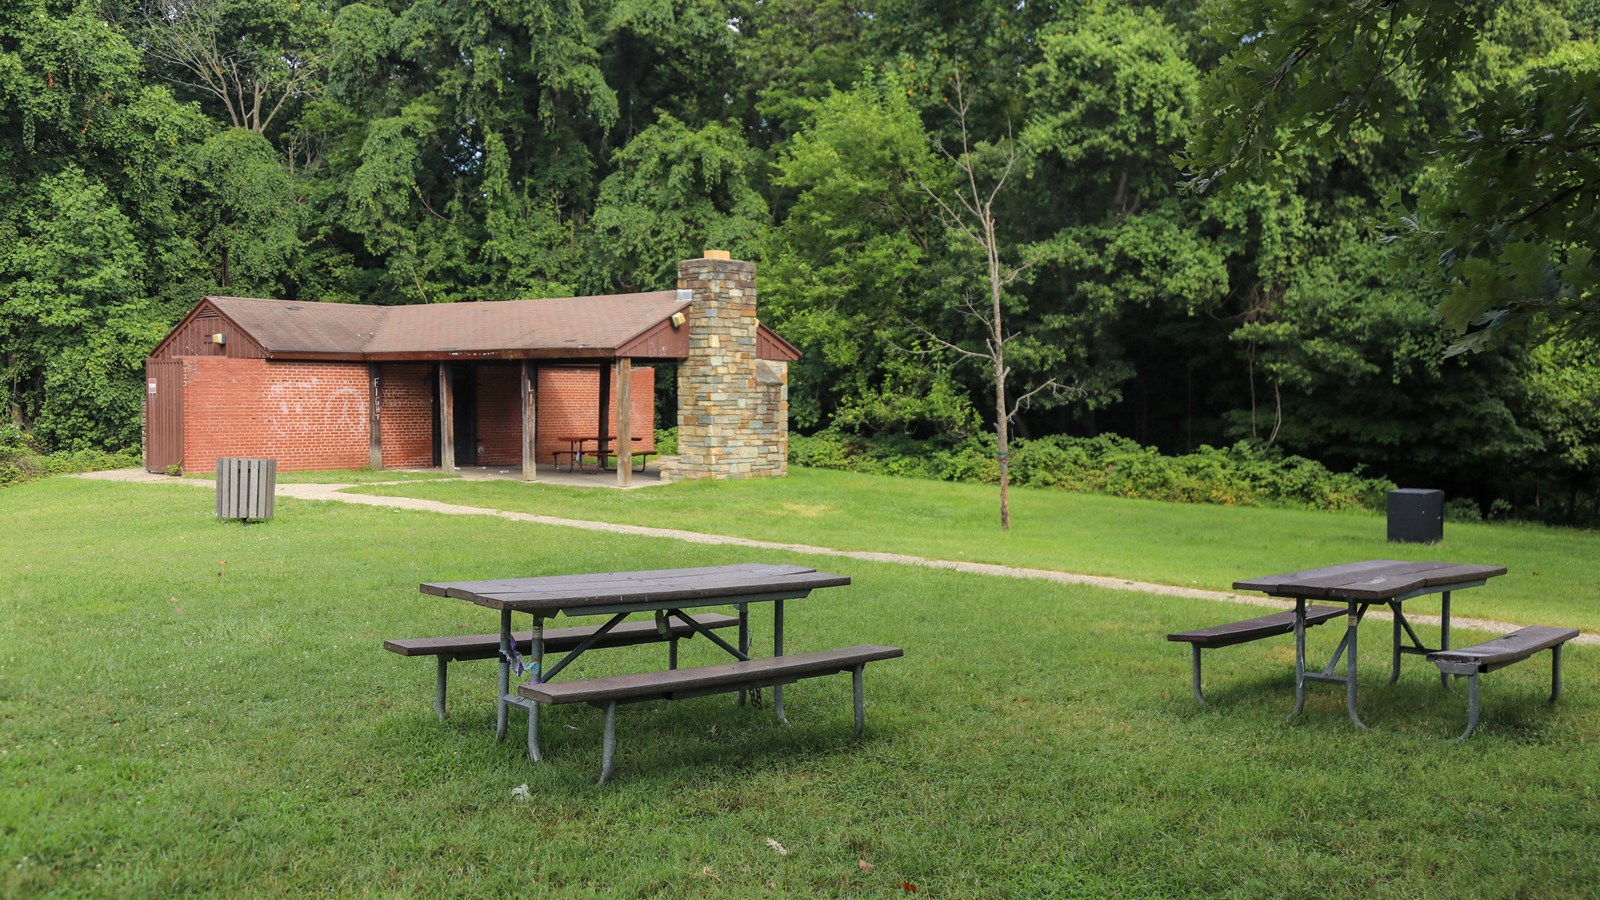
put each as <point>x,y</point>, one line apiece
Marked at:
<point>581,445</point>
<point>671,596</point>
<point>1360,586</point>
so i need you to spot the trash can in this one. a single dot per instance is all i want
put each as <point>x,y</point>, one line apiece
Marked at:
<point>1416,516</point>
<point>245,488</point>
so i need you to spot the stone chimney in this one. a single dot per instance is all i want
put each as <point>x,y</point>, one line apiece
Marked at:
<point>722,415</point>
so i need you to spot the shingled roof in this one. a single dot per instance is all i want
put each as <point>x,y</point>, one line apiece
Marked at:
<point>637,325</point>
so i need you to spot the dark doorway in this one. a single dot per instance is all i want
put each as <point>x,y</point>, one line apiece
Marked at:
<point>464,384</point>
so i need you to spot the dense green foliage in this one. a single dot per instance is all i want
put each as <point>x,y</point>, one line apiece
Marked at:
<point>21,460</point>
<point>1240,475</point>
<point>400,152</point>
<point>1510,209</point>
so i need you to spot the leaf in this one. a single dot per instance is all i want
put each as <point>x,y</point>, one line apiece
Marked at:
<point>782,851</point>
<point>865,866</point>
<point>908,887</point>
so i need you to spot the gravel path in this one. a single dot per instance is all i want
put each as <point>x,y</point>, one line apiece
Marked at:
<point>334,492</point>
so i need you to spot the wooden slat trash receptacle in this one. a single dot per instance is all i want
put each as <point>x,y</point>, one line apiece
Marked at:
<point>245,488</point>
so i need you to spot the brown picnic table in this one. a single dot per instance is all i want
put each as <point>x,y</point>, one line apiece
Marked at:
<point>579,446</point>
<point>674,598</point>
<point>1360,586</point>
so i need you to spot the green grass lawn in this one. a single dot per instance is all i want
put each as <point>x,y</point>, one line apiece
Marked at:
<point>196,706</point>
<point>1552,581</point>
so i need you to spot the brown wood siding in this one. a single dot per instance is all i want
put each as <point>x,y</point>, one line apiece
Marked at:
<point>192,337</point>
<point>661,342</point>
<point>770,346</point>
<point>163,416</point>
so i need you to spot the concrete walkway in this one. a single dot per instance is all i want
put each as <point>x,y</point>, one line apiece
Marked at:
<point>335,492</point>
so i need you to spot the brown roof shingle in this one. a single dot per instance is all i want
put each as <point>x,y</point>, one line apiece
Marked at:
<point>569,326</point>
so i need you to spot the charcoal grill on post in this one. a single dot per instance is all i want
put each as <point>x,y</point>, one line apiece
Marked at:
<point>245,488</point>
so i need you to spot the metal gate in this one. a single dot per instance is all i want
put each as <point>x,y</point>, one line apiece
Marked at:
<point>163,414</point>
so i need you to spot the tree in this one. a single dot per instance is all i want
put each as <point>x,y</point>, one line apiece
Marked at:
<point>251,56</point>
<point>1509,212</point>
<point>969,213</point>
<point>855,261</point>
<point>676,191</point>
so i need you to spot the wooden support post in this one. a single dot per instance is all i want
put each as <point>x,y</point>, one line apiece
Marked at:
<point>374,419</point>
<point>447,419</point>
<point>605,413</point>
<point>624,422</point>
<point>530,420</point>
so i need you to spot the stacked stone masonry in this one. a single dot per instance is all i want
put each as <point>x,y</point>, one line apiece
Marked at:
<point>730,423</point>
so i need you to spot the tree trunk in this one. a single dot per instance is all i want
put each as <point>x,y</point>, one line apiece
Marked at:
<point>1002,414</point>
<point>13,398</point>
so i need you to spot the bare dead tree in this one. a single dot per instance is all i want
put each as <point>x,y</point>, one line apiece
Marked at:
<point>253,87</point>
<point>970,213</point>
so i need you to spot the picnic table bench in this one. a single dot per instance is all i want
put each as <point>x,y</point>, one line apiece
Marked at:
<point>1498,653</point>
<point>680,684</point>
<point>463,647</point>
<point>1231,633</point>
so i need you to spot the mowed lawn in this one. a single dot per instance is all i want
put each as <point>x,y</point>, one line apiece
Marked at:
<point>1553,577</point>
<point>195,706</point>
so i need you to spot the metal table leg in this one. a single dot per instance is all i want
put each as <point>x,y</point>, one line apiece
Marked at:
<point>1394,669</point>
<point>744,641</point>
<point>861,704</point>
<point>1444,636</point>
<point>1555,672</point>
<point>608,746</point>
<point>440,685</point>
<point>777,650</point>
<point>536,650</point>
<point>1299,657</point>
<point>1351,631</point>
<point>1195,654</point>
<point>506,646</point>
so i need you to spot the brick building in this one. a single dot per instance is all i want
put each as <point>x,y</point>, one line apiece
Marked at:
<point>508,384</point>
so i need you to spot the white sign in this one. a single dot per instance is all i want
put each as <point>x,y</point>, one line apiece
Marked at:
<point>152,387</point>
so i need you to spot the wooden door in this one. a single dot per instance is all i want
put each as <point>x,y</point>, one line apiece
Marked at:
<point>163,414</point>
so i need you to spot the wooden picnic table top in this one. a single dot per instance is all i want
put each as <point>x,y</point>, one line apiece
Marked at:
<point>1371,580</point>
<point>571,593</point>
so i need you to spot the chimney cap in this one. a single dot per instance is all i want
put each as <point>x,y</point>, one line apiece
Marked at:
<point>717,254</point>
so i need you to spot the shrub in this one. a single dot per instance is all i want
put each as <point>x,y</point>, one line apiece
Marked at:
<point>1240,475</point>
<point>20,459</point>
<point>667,441</point>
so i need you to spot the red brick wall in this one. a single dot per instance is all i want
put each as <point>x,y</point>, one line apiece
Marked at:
<point>405,404</point>
<point>313,415</point>
<point>569,400</point>
<point>306,415</point>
